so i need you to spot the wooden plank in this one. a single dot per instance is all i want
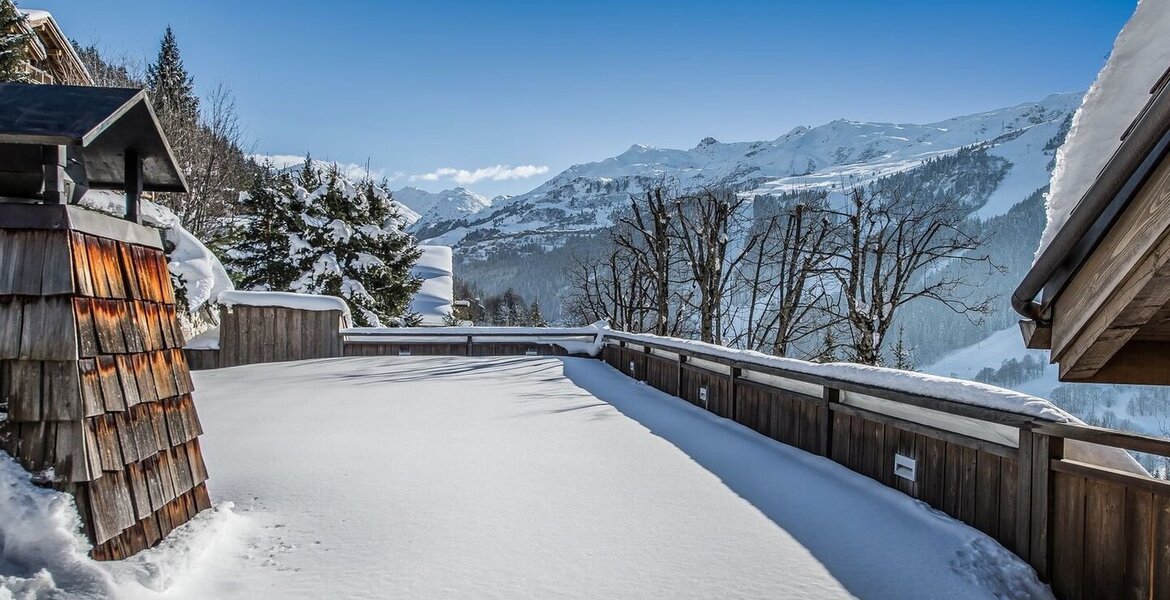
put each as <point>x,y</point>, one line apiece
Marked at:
<point>127,438</point>
<point>27,279</point>
<point>1045,449</point>
<point>1160,569</point>
<point>1138,535</point>
<point>57,268</point>
<point>105,432</point>
<point>127,380</point>
<point>11,317</point>
<point>47,330</point>
<point>1024,495</point>
<point>82,279</point>
<point>1068,533</point>
<point>112,268</point>
<point>934,472</point>
<point>1106,437</point>
<point>69,453</point>
<point>1009,481</point>
<point>1104,546</point>
<point>97,267</point>
<point>111,386</point>
<point>272,335</point>
<point>969,480</point>
<point>926,430</point>
<point>129,277</point>
<point>87,342</point>
<point>21,390</point>
<point>61,389</point>
<point>987,494</point>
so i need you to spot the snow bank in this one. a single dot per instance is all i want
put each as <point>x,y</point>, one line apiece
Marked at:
<point>198,270</point>
<point>515,477</point>
<point>312,302</point>
<point>43,553</point>
<point>1139,57</point>
<point>434,298</point>
<point>933,386</point>
<point>207,340</point>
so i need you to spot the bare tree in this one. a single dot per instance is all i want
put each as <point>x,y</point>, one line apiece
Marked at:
<point>645,237</point>
<point>708,226</point>
<point>893,250</point>
<point>782,280</point>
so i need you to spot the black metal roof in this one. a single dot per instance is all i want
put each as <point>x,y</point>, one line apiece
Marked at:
<point>104,122</point>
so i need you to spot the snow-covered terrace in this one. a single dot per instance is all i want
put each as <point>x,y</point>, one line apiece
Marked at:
<point>522,477</point>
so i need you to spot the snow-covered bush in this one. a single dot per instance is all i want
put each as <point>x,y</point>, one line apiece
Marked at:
<point>314,231</point>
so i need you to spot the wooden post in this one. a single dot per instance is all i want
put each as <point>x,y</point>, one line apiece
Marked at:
<point>133,164</point>
<point>1024,493</point>
<point>469,338</point>
<point>1045,449</point>
<point>53,159</point>
<point>736,373</point>
<point>825,412</point>
<point>678,386</point>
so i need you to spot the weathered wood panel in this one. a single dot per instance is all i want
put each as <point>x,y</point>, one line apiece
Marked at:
<point>88,360</point>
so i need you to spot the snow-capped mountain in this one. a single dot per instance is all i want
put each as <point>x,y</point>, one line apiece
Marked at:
<point>442,207</point>
<point>584,197</point>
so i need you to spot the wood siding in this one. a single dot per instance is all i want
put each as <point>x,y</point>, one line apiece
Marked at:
<point>96,385</point>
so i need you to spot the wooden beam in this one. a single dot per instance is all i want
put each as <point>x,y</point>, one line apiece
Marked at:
<point>1136,363</point>
<point>53,159</point>
<point>1037,336</point>
<point>1121,285</point>
<point>133,165</point>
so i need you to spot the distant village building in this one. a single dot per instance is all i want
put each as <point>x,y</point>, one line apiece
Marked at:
<point>51,57</point>
<point>1098,296</point>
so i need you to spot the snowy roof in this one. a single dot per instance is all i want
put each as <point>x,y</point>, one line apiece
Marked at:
<point>311,302</point>
<point>434,298</point>
<point>1139,58</point>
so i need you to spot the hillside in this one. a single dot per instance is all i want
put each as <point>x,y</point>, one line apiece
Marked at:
<point>583,197</point>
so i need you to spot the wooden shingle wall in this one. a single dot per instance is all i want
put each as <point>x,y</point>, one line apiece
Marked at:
<point>96,385</point>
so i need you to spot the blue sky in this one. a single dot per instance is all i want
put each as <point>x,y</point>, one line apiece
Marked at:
<point>442,86</point>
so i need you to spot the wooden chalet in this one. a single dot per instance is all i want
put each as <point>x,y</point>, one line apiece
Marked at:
<point>1098,297</point>
<point>50,55</point>
<point>92,375</point>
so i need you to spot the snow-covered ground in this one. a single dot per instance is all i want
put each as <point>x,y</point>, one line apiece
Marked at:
<point>509,477</point>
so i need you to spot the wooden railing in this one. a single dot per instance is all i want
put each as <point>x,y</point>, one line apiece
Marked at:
<point>1091,531</point>
<point>466,341</point>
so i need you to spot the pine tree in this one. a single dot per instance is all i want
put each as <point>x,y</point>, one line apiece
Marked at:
<point>308,177</point>
<point>903,354</point>
<point>535,319</point>
<point>13,62</point>
<point>355,248</point>
<point>172,87</point>
<point>268,233</point>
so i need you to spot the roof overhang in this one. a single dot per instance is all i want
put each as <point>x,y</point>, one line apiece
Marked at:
<point>103,122</point>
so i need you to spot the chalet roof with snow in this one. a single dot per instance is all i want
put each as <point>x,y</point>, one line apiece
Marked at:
<point>1098,295</point>
<point>97,126</point>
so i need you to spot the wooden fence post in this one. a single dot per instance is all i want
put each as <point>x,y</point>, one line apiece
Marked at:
<point>1045,449</point>
<point>682,360</point>
<point>1024,493</point>
<point>831,397</point>
<point>469,344</point>
<point>736,373</point>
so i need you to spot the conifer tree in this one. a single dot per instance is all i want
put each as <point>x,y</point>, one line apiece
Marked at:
<point>903,358</point>
<point>355,248</point>
<point>172,87</point>
<point>268,233</point>
<point>13,62</point>
<point>535,319</point>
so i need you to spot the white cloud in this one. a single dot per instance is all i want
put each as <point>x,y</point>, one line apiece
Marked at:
<point>496,173</point>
